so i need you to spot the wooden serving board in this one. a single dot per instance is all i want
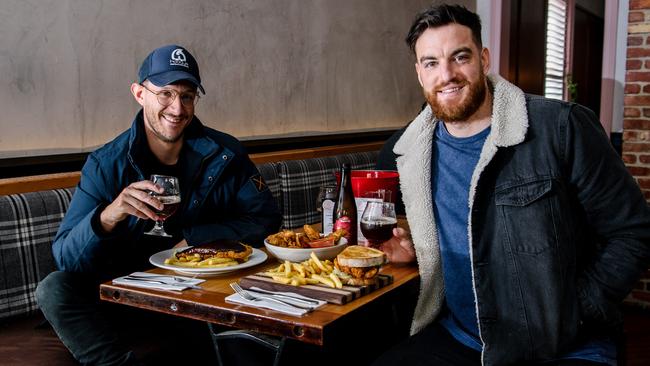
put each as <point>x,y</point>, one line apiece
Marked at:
<point>321,292</point>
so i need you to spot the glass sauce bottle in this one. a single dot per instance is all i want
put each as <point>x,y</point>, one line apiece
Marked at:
<point>327,209</point>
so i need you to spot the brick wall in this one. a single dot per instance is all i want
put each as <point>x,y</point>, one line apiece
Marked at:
<point>636,123</point>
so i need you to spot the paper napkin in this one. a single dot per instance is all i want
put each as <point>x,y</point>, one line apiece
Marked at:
<point>272,305</point>
<point>158,281</point>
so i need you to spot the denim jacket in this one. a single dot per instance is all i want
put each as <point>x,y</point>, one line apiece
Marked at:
<point>559,231</point>
<point>223,198</point>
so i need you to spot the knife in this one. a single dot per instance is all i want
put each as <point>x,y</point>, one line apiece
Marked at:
<point>285,295</point>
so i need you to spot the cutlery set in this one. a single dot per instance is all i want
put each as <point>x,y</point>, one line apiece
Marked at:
<point>172,281</point>
<point>280,298</point>
<point>161,282</point>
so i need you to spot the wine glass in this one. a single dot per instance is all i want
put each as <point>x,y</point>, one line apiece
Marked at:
<point>170,198</point>
<point>377,222</point>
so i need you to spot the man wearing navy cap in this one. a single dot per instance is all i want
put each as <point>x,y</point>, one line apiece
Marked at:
<point>101,236</point>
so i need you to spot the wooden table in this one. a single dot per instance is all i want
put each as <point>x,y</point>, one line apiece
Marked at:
<point>209,304</point>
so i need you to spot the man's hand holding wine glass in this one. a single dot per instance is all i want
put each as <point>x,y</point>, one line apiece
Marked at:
<point>134,200</point>
<point>379,226</point>
<point>399,248</point>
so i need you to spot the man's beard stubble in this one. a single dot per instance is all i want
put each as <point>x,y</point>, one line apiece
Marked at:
<point>462,111</point>
<point>158,133</point>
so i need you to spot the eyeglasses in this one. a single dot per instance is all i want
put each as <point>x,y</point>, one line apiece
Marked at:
<point>167,96</point>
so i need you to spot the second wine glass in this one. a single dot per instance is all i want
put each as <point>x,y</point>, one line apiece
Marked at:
<point>377,222</point>
<point>170,198</point>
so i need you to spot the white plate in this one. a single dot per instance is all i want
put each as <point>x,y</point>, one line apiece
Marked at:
<point>158,260</point>
<point>302,254</point>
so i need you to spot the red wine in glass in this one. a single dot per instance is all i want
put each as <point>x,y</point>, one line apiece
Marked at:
<point>379,230</point>
<point>377,222</point>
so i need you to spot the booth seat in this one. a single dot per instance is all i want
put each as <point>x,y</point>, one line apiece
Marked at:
<point>29,222</point>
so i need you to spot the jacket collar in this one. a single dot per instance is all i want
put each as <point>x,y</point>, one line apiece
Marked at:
<point>509,113</point>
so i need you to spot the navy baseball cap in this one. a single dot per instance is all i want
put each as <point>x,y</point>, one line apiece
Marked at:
<point>169,64</point>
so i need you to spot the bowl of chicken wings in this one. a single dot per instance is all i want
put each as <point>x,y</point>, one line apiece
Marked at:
<point>289,245</point>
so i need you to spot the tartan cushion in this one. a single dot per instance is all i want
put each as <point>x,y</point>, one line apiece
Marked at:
<point>300,180</point>
<point>28,224</point>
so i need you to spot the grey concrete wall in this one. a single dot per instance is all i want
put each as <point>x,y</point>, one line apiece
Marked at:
<point>272,67</point>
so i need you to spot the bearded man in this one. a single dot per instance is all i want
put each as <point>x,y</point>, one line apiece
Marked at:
<point>526,226</point>
<point>101,235</point>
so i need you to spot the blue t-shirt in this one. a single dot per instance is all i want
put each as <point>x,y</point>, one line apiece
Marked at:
<point>452,165</point>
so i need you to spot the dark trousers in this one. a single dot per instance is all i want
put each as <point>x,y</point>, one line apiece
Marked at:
<point>98,333</point>
<point>436,347</point>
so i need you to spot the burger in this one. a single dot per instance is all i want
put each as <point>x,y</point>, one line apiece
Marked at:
<point>230,249</point>
<point>360,264</point>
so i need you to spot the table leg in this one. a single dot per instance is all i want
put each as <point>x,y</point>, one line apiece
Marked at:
<point>273,344</point>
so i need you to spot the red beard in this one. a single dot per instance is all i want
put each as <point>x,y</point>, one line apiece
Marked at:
<point>460,111</point>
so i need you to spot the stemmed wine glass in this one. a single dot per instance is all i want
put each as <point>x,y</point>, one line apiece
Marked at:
<point>377,222</point>
<point>170,198</point>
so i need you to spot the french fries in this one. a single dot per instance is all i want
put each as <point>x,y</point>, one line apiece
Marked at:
<point>337,281</point>
<point>196,262</point>
<point>310,272</point>
<point>314,258</point>
<point>324,280</point>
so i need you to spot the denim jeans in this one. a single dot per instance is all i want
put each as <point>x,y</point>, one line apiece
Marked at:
<point>98,333</point>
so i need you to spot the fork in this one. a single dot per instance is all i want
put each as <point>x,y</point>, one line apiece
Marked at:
<point>250,297</point>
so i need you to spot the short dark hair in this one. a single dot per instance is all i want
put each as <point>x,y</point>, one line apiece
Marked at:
<point>439,15</point>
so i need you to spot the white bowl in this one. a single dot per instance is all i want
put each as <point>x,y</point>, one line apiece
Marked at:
<point>302,254</point>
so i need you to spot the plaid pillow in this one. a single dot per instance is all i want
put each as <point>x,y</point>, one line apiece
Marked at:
<point>300,180</point>
<point>28,224</point>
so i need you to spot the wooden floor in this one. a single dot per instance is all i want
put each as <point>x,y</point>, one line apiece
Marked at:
<point>637,335</point>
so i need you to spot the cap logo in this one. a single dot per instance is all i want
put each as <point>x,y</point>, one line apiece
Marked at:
<point>178,58</point>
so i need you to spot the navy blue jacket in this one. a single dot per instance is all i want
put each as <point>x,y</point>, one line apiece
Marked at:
<point>222,198</point>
